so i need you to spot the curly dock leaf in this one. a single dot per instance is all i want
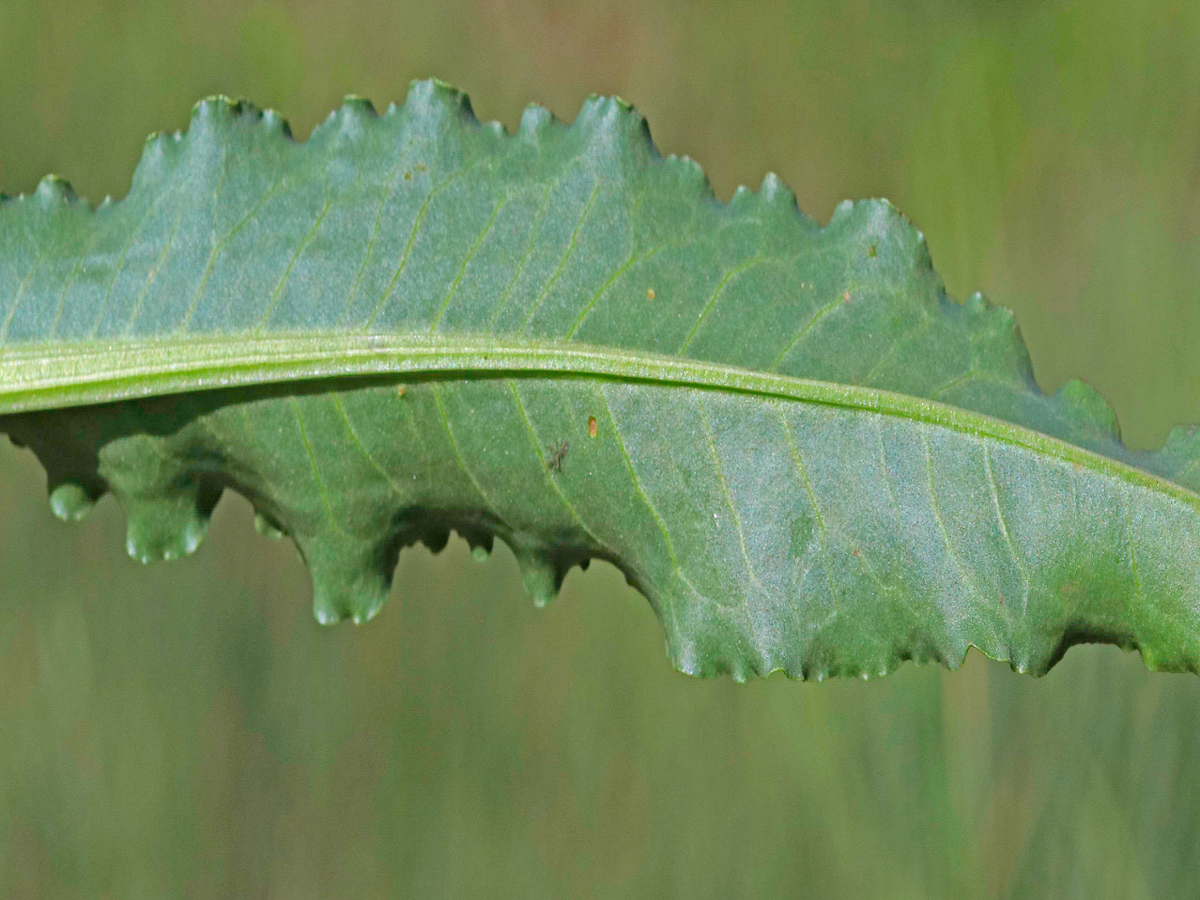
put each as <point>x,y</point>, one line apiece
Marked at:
<point>785,435</point>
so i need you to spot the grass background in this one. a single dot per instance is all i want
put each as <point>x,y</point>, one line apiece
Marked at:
<point>187,730</point>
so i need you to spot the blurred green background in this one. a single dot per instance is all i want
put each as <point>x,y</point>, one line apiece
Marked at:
<point>187,730</point>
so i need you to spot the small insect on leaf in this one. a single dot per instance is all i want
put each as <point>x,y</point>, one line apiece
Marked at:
<point>556,456</point>
<point>592,426</point>
<point>649,293</point>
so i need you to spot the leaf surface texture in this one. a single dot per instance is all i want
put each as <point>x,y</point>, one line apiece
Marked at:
<point>786,436</point>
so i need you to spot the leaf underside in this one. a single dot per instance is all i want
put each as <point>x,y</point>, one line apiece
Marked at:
<point>785,435</point>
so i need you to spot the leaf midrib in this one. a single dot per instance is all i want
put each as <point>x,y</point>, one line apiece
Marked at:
<point>57,375</point>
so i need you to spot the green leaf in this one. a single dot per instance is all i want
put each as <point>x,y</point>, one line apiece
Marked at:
<point>785,435</point>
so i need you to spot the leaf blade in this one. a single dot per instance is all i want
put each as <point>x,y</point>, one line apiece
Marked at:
<point>779,473</point>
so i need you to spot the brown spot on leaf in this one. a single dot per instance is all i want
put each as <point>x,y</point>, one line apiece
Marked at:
<point>592,426</point>
<point>649,293</point>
